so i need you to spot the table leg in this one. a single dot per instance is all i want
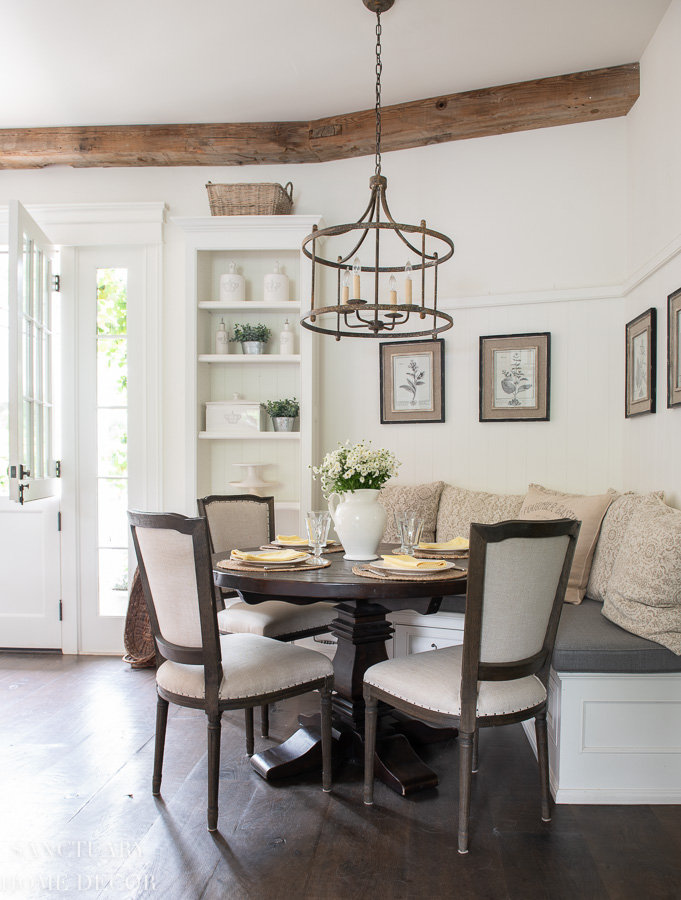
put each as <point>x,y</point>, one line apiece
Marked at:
<point>362,631</point>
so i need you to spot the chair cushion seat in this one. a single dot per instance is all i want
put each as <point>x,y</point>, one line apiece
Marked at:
<point>432,680</point>
<point>252,667</point>
<point>274,617</point>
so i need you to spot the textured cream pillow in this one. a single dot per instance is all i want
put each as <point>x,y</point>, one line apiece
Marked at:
<point>613,529</point>
<point>459,507</point>
<point>644,594</point>
<point>422,498</point>
<point>544,503</point>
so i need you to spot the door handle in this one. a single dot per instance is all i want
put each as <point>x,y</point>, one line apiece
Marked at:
<point>24,473</point>
<point>22,488</point>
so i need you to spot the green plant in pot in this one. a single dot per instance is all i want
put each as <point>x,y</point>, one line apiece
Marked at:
<point>282,412</point>
<point>253,338</point>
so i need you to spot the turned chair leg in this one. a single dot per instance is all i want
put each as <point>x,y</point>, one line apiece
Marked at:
<point>265,720</point>
<point>543,763</point>
<point>250,741</point>
<point>371,713</point>
<point>214,730</point>
<point>325,700</point>
<point>466,742</point>
<point>475,750</point>
<point>161,722</point>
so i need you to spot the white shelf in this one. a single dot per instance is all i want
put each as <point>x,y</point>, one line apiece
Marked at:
<point>261,436</point>
<point>248,305</point>
<point>252,359</point>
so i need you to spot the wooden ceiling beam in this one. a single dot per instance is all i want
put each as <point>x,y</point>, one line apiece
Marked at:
<point>543,103</point>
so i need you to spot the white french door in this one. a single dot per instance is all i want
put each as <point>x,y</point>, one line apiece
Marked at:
<point>30,572</point>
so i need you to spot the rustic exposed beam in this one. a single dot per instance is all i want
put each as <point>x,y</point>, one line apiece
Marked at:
<point>545,102</point>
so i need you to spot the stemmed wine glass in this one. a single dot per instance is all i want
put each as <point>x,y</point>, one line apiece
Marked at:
<point>318,523</point>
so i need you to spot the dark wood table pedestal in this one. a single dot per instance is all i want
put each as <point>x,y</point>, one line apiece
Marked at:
<point>362,631</point>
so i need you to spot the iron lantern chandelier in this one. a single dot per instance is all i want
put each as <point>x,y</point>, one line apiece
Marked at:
<point>353,316</point>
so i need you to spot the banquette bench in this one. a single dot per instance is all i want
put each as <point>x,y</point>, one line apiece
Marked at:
<point>614,696</point>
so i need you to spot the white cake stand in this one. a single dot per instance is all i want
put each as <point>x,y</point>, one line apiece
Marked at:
<point>251,481</point>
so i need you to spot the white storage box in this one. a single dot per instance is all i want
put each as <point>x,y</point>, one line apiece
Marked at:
<point>242,417</point>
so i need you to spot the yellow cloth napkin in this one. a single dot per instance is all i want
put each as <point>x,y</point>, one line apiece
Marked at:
<point>409,562</point>
<point>295,539</point>
<point>457,543</point>
<point>269,555</point>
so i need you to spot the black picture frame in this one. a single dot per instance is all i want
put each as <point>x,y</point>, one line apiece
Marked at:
<point>641,364</point>
<point>515,377</point>
<point>416,368</point>
<point>674,349</point>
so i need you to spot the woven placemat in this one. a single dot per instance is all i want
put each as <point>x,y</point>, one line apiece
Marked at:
<point>369,572</point>
<point>233,565</point>
<point>441,554</point>
<point>336,548</point>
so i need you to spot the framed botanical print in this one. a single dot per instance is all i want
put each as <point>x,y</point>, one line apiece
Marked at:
<point>515,377</point>
<point>641,371</point>
<point>412,381</point>
<point>674,349</point>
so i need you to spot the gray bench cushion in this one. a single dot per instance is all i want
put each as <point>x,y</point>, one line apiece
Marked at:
<point>588,642</point>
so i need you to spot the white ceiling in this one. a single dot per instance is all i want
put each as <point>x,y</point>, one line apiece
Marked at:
<point>79,62</point>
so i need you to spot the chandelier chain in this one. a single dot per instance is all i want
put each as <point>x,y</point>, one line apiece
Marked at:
<point>379,70</point>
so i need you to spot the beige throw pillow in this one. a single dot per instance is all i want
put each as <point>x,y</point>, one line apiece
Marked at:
<point>459,507</point>
<point>613,529</point>
<point>543,503</point>
<point>422,498</point>
<point>644,594</point>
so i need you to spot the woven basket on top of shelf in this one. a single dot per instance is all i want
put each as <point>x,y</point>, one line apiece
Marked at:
<point>250,199</point>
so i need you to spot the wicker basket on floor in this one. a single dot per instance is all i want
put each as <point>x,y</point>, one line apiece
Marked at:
<point>250,199</point>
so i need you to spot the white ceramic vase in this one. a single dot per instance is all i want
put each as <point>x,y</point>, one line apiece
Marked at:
<point>359,520</point>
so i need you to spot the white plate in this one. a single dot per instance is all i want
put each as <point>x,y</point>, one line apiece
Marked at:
<point>285,544</point>
<point>271,562</point>
<point>404,570</point>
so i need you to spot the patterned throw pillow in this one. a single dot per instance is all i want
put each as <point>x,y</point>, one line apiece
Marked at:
<point>544,503</point>
<point>459,507</point>
<point>644,594</point>
<point>422,498</point>
<point>613,529</point>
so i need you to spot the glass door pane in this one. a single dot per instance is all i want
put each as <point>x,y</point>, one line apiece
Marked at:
<point>112,441</point>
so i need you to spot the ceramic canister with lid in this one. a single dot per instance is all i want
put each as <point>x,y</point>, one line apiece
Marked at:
<point>275,287</point>
<point>232,286</point>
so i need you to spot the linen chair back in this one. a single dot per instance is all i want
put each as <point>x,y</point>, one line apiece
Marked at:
<point>517,579</point>
<point>174,558</point>
<point>521,579</point>
<point>237,521</point>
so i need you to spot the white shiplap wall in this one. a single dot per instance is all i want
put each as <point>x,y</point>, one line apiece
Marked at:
<point>580,449</point>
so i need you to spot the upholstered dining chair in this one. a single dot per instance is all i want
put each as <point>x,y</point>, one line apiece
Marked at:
<point>517,578</point>
<point>237,521</point>
<point>199,668</point>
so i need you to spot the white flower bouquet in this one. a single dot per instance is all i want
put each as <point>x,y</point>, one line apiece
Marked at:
<point>355,468</point>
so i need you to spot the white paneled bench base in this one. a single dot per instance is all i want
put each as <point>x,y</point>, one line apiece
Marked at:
<point>614,714</point>
<point>614,738</point>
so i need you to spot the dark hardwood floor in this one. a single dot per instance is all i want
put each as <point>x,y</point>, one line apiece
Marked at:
<point>78,818</point>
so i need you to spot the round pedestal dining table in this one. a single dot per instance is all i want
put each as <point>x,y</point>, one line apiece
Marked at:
<point>362,630</point>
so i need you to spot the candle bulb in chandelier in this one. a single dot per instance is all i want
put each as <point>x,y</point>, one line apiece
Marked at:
<point>393,290</point>
<point>356,269</point>
<point>407,283</point>
<point>346,285</point>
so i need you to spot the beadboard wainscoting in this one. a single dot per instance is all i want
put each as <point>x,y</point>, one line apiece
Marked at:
<point>580,449</point>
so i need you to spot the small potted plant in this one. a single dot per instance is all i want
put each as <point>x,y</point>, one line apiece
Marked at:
<point>282,412</point>
<point>253,338</point>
